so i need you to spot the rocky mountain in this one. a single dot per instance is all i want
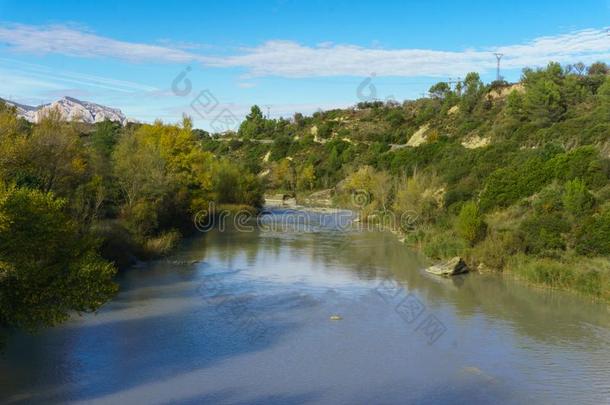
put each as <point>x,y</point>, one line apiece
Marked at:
<point>71,109</point>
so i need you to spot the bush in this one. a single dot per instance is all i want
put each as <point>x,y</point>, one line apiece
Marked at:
<point>421,195</point>
<point>507,185</point>
<point>549,199</point>
<point>495,250</point>
<point>577,199</point>
<point>469,224</point>
<point>593,236</point>
<point>543,233</point>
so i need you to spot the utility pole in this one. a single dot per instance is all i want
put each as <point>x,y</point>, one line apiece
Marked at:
<point>498,57</point>
<point>457,83</point>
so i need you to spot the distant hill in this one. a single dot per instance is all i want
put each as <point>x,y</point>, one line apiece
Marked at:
<point>71,109</point>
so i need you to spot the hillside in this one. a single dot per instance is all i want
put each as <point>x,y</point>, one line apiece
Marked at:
<point>512,177</point>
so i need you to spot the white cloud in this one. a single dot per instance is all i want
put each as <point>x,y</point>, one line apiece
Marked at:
<point>293,60</point>
<point>53,75</point>
<point>65,40</point>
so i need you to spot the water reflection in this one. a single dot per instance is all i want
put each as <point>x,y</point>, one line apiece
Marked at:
<point>173,335</point>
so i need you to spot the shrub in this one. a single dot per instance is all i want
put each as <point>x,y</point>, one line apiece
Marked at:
<point>507,185</point>
<point>577,199</point>
<point>495,250</point>
<point>593,236</point>
<point>420,194</point>
<point>549,199</point>
<point>469,224</point>
<point>543,233</point>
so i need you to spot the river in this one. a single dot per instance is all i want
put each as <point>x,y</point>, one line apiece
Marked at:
<point>318,314</point>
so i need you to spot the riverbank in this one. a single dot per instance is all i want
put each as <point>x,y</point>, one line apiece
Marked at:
<point>587,276</point>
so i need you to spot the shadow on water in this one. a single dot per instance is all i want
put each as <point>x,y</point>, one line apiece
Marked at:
<point>183,330</point>
<point>127,345</point>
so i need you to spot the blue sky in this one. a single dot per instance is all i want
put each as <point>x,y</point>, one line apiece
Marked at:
<point>284,55</point>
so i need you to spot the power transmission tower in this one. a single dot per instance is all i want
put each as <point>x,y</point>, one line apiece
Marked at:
<point>498,57</point>
<point>457,83</point>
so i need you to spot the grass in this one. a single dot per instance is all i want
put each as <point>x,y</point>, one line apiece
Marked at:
<point>584,275</point>
<point>160,245</point>
<point>500,251</point>
<point>444,245</point>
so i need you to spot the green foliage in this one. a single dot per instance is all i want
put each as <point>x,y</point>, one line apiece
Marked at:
<point>542,102</point>
<point>306,177</point>
<point>496,249</point>
<point>254,124</point>
<point>444,245</point>
<point>375,185</point>
<point>47,269</point>
<point>235,186</point>
<point>440,90</point>
<point>577,199</point>
<point>420,196</point>
<point>543,233</point>
<point>473,91</point>
<point>470,224</point>
<point>508,185</point>
<point>131,188</point>
<point>585,276</point>
<point>593,236</point>
<point>515,105</point>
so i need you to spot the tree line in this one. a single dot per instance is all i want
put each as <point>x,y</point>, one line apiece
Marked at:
<point>79,201</point>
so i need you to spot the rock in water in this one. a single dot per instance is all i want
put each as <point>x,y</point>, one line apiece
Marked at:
<point>450,268</point>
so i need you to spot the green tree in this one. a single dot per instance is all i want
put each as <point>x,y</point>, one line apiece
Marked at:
<point>542,102</point>
<point>470,224</point>
<point>307,177</point>
<point>254,124</point>
<point>47,268</point>
<point>515,105</point>
<point>598,68</point>
<point>473,90</point>
<point>140,170</point>
<point>440,90</point>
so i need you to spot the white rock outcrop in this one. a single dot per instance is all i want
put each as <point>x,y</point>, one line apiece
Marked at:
<point>71,109</point>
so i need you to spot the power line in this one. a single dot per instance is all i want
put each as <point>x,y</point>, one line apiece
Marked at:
<point>498,57</point>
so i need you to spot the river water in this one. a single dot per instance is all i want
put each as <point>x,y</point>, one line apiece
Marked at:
<point>245,318</point>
